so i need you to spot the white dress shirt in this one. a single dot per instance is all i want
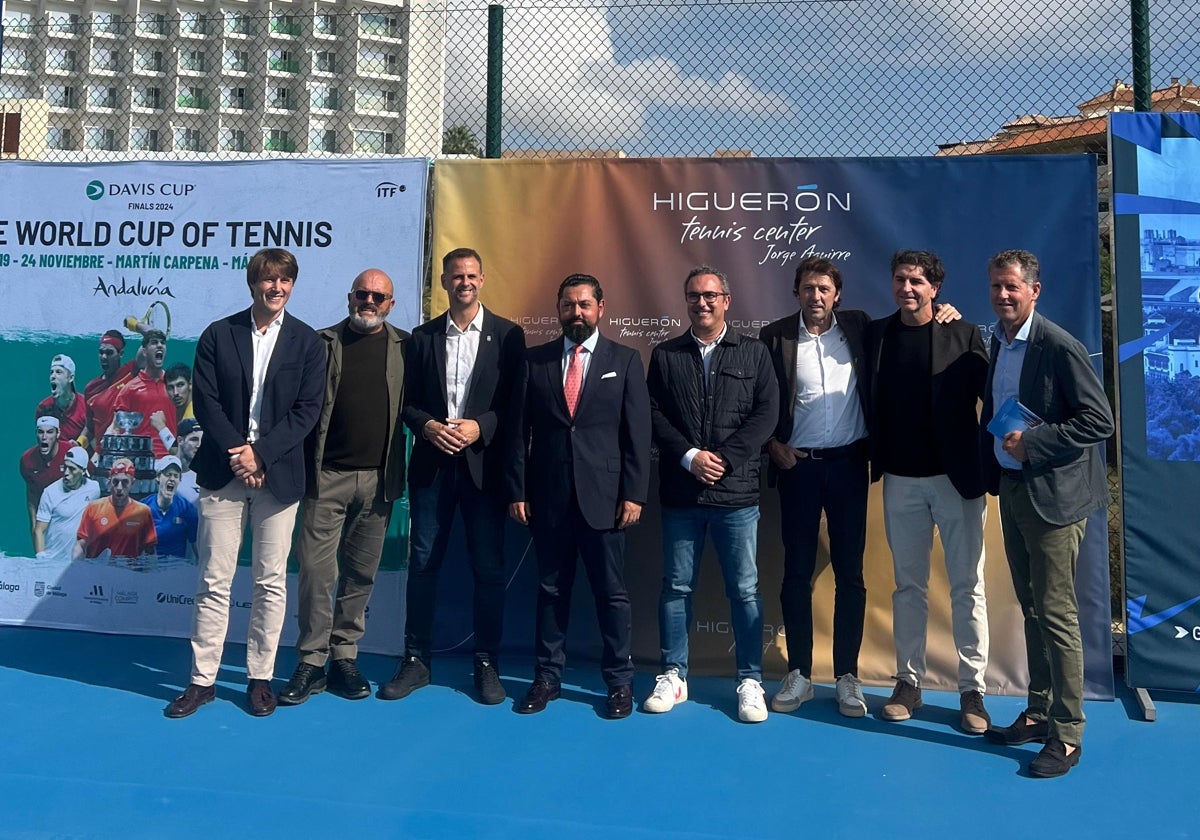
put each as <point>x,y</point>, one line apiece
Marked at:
<point>264,347</point>
<point>462,349</point>
<point>827,412</point>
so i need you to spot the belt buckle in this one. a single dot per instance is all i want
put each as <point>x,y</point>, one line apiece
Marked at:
<point>812,453</point>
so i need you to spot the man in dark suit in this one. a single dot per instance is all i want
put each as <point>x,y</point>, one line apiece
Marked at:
<point>1050,478</point>
<point>926,382</point>
<point>258,382</point>
<point>355,472</point>
<point>578,475</point>
<point>462,368</point>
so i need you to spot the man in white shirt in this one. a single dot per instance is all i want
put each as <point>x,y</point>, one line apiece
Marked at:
<point>61,507</point>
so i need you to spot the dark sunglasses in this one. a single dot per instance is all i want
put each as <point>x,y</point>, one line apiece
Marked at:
<point>377,298</point>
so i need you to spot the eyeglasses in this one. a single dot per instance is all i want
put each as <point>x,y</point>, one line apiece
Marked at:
<point>707,297</point>
<point>377,298</point>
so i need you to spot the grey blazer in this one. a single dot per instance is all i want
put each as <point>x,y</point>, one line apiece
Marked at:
<point>1064,473</point>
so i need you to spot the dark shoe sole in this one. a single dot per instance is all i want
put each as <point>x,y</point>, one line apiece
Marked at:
<point>493,700</point>
<point>284,700</point>
<point>174,714</point>
<point>1058,769</point>
<point>362,694</point>
<point>523,709</point>
<point>385,693</point>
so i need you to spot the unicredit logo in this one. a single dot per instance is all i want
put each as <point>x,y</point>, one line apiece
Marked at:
<point>168,598</point>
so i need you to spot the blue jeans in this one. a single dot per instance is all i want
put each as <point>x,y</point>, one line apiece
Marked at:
<point>734,534</point>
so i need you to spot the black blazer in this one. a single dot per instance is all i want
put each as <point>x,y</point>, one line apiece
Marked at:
<point>493,379</point>
<point>293,391</point>
<point>1064,473</point>
<point>600,457</point>
<point>960,366</point>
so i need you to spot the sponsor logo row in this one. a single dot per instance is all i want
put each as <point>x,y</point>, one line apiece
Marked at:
<point>101,593</point>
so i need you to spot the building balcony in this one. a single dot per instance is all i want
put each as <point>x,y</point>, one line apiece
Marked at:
<point>280,65</point>
<point>291,30</point>
<point>279,145</point>
<point>198,103</point>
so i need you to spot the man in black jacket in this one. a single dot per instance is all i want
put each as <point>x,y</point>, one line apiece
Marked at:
<point>714,402</point>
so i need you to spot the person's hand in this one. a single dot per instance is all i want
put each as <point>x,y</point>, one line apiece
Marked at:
<point>782,455</point>
<point>520,512</point>
<point>1015,447</point>
<point>465,431</point>
<point>443,436</point>
<point>255,481</point>
<point>944,313</point>
<point>158,420</point>
<point>628,513</point>
<point>243,460</point>
<point>707,467</point>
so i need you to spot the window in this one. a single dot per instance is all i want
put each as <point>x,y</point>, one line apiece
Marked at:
<point>61,59</point>
<point>99,139</point>
<point>105,59</point>
<point>375,98</point>
<point>193,60</point>
<point>193,23</point>
<point>58,137</point>
<point>17,58</point>
<point>326,62</point>
<point>237,60</point>
<point>18,23</point>
<point>324,97</point>
<point>238,23</point>
<point>322,140</point>
<point>152,23</point>
<point>101,96</point>
<point>148,60</point>
<point>284,24</point>
<point>234,98</point>
<point>63,23</point>
<point>277,140</point>
<point>374,142</point>
<point>144,139</point>
<point>378,24</point>
<point>192,96</point>
<point>188,140</point>
<point>61,96</point>
<point>282,61</point>
<point>280,98</point>
<point>233,140</point>
<point>147,96</point>
<point>18,90</point>
<point>106,23</point>
<point>325,24</point>
<point>375,60</point>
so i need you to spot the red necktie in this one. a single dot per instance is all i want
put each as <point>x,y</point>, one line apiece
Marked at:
<point>574,381</point>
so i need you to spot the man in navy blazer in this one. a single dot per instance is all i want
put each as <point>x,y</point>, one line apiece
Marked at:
<point>257,385</point>
<point>1050,478</point>
<point>578,475</point>
<point>461,369</point>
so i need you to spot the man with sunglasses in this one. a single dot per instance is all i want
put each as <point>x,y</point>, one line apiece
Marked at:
<point>355,470</point>
<point>462,368</point>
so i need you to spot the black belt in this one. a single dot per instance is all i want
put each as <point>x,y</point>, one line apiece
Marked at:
<point>1015,475</point>
<point>847,451</point>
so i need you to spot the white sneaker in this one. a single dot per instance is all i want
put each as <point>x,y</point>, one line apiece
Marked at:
<point>669,689</point>
<point>794,690</point>
<point>752,701</point>
<point>850,697</point>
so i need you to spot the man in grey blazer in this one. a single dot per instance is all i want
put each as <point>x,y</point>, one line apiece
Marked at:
<point>1049,477</point>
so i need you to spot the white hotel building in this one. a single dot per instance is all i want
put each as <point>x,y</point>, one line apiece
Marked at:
<point>105,79</point>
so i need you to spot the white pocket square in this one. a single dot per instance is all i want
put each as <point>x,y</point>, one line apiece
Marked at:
<point>609,375</point>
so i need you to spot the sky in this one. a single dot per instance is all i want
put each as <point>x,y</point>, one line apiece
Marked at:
<point>837,77</point>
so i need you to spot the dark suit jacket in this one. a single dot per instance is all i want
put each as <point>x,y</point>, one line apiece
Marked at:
<point>293,391</point>
<point>493,379</point>
<point>314,445</point>
<point>1064,473</point>
<point>781,338</point>
<point>602,455</point>
<point>959,364</point>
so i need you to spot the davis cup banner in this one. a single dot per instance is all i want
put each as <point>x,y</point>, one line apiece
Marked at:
<point>109,274</point>
<point>1156,232</point>
<point>640,225</point>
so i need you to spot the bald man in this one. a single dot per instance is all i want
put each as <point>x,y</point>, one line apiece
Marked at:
<point>355,470</point>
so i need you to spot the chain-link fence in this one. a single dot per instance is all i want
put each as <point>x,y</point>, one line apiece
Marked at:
<point>830,77</point>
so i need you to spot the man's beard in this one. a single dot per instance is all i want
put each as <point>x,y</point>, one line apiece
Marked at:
<point>366,322</point>
<point>578,331</point>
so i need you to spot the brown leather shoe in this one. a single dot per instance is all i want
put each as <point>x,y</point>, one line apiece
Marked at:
<point>261,697</point>
<point>539,694</point>
<point>193,697</point>
<point>620,702</point>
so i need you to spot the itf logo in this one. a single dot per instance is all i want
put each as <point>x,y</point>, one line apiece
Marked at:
<point>95,190</point>
<point>386,189</point>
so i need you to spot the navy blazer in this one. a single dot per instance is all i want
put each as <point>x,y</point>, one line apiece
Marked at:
<point>493,380</point>
<point>1064,473</point>
<point>601,456</point>
<point>293,391</point>
<point>960,367</point>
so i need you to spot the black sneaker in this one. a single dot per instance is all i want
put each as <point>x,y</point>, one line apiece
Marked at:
<point>306,681</point>
<point>1053,760</point>
<point>412,675</point>
<point>974,718</point>
<point>487,683</point>
<point>905,700</point>
<point>346,681</point>
<point>1021,732</point>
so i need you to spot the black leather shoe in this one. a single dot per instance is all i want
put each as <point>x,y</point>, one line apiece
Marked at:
<point>535,700</point>
<point>1019,733</point>
<point>346,681</point>
<point>261,698</point>
<point>620,702</point>
<point>306,681</point>
<point>412,675</point>
<point>1053,760</point>
<point>193,697</point>
<point>487,683</point>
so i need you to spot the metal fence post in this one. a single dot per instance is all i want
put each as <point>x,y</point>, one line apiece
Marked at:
<point>495,80</point>
<point>1139,16</point>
